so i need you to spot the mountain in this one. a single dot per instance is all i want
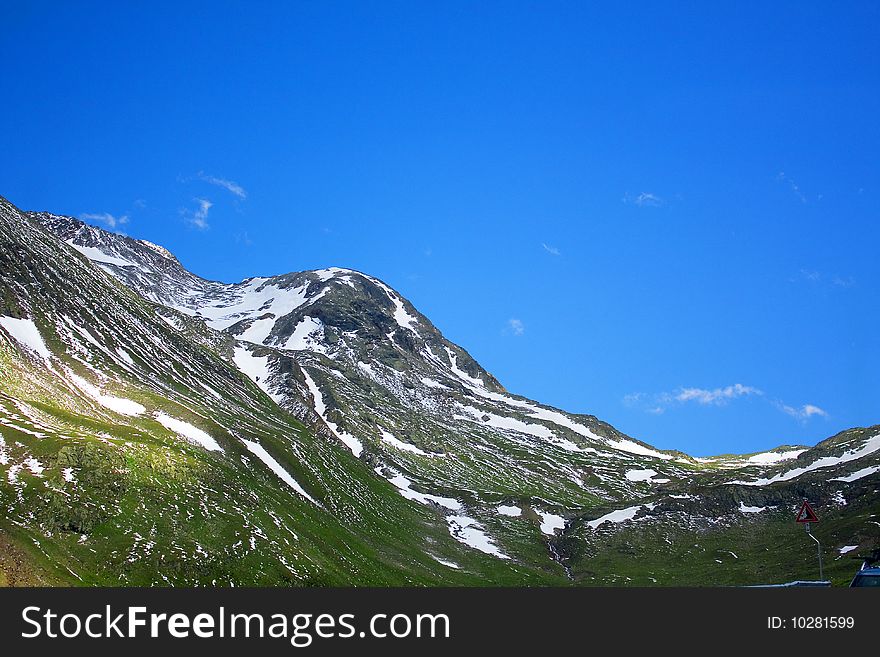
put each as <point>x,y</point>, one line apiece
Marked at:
<point>314,427</point>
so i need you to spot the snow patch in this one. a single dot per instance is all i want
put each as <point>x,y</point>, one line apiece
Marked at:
<point>348,440</point>
<point>446,563</point>
<point>389,438</point>
<point>550,523</point>
<point>188,431</point>
<point>119,405</point>
<point>460,373</point>
<point>401,316</point>
<point>509,511</point>
<point>26,334</point>
<point>96,255</point>
<point>615,517</point>
<point>766,458</point>
<point>751,509</point>
<point>858,474</point>
<point>307,335</point>
<point>404,487</point>
<point>468,531</point>
<point>260,452</point>
<point>641,475</point>
<point>256,368</point>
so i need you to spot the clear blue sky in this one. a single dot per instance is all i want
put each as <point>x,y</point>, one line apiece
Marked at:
<point>622,210</point>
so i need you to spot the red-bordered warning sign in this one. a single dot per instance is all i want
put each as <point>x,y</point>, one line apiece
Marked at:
<point>806,514</point>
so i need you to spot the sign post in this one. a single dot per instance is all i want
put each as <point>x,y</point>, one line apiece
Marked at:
<point>807,516</point>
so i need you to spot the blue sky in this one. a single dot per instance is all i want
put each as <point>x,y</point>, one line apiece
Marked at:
<point>663,214</point>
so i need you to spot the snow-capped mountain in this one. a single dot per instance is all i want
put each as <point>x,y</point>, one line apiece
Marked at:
<point>326,394</point>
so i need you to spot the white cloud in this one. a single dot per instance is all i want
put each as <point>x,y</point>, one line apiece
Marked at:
<point>803,413</point>
<point>229,185</point>
<point>718,396</point>
<point>105,218</point>
<point>552,250</point>
<point>199,218</point>
<point>516,326</point>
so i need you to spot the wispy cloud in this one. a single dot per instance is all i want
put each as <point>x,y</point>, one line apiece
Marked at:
<point>229,185</point>
<point>792,185</point>
<point>659,403</point>
<point>644,200</point>
<point>105,218</point>
<point>552,250</point>
<point>716,396</point>
<point>802,413</point>
<point>516,326</point>
<point>815,277</point>
<point>198,218</point>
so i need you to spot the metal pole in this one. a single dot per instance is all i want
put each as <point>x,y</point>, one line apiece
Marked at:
<point>818,551</point>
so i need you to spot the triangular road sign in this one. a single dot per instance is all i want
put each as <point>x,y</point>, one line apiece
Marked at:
<point>806,514</point>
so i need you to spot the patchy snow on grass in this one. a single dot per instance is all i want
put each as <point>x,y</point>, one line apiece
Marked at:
<point>119,405</point>
<point>347,439</point>
<point>256,368</point>
<point>848,548</point>
<point>751,509</point>
<point>68,475</point>
<point>171,321</point>
<point>188,431</point>
<point>871,445</point>
<point>260,452</point>
<point>12,473</point>
<point>446,563</point>
<point>509,511</point>
<point>431,383</point>
<point>550,523</point>
<point>766,458</point>
<point>641,475</point>
<point>388,437</point>
<point>858,474</point>
<point>34,466</point>
<point>26,334</point>
<point>468,531</point>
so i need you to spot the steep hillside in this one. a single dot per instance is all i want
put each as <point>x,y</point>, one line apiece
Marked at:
<point>316,428</point>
